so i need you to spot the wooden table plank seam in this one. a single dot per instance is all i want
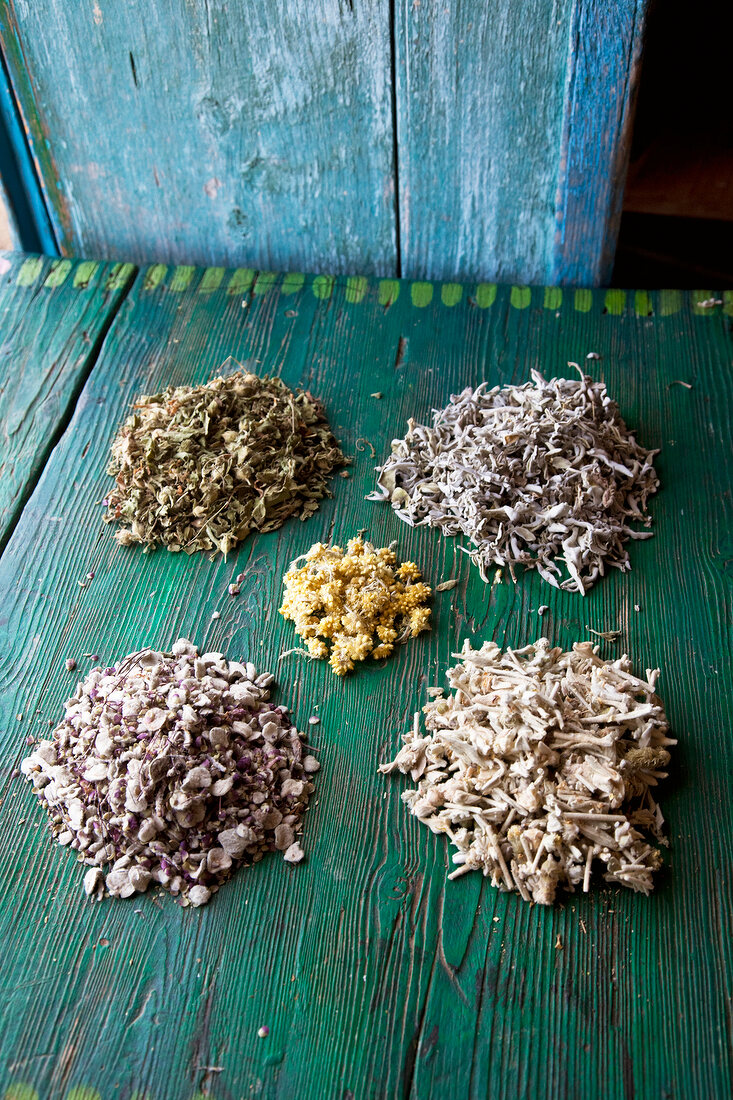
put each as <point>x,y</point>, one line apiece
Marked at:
<point>52,327</point>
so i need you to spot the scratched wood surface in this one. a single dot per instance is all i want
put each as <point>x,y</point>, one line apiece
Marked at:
<point>434,139</point>
<point>376,977</point>
<point>53,317</point>
<point>217,132</point>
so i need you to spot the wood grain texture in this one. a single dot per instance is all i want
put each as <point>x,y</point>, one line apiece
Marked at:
<point>600,96</point>
<point>432,139</point>
<point>376,977</point>
<point>512,131</point>
<point>213,132</point>
<point>53,317</point>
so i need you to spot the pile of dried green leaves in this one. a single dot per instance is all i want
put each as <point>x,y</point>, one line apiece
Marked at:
<point>199,467</point>
<point>173,769</point>
<point>532,475</point>
<point>541,763</point>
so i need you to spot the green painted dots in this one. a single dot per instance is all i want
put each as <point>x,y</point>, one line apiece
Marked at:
<point>292,283</point>
<point>84,274</point>
<point>356,288</point>
<point>211,280</point>
<point>388,292</point>
<point>118,276</point>
<point>421,294</point>
<point>583,300</point>
<point>642,303</point>
<point>699,296</point>
<point>485,295</point>
<point>181,278</point>
<point>728,303</point>
<point>240,280</point>
<point>58,274</point>
<point>451,294</point>
<point>615,302</point>
<point>670,302</point>
<point>323,286</point>
<point>553,297</point>
<point>265,281</point>
<point>29,271</point>
<point>520,297</point>
<point>154,276</point>
<point>20,1091</point>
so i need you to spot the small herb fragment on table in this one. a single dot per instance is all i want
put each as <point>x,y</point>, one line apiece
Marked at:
<point>173,768</point>
<point>540,764</point>
<point>353,604</point>
<point>200,467</point>
<point>446,586</point>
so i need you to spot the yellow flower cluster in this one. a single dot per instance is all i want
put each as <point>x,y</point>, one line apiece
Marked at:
<point>356,600</point>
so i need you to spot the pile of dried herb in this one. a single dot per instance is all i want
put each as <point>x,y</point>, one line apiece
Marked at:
<point>199,467</point>
<point>173,768</point>
<point>541,764</point>
<point>353,604</point>
<point>539,475</point>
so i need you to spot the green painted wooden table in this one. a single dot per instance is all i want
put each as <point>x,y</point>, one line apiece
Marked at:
<point>376,977</point>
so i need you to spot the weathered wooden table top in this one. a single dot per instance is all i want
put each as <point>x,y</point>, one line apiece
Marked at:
<point>376,977</point>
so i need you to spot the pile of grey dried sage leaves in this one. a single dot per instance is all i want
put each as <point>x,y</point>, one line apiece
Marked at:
<point>173,768</point>
<point>200,467</point>
<point>540,765</point>
<point>541,475</point>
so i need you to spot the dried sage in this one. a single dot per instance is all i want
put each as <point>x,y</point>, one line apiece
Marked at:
<point>541,764</point>
<point>537,475</point>
<point>173,768</point>
<point>200,467</point>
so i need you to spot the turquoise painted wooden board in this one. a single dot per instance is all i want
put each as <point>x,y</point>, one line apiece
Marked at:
<point>53,317</point>
<point>376,977</point>
<point>222,132</point>
<point>514,127</point>
<point>430,139</point>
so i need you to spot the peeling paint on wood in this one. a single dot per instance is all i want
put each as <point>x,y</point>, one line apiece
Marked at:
<point>437,139</point>
<point>212,132</point>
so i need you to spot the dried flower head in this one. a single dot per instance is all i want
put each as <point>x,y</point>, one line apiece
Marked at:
<point>199,467</point>
<point>539,764</point>
<point>358,600</point>
<point>172,768</point>
<point>536,475</point>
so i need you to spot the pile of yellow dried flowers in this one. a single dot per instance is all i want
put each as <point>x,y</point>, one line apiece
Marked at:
<point>359,600</point>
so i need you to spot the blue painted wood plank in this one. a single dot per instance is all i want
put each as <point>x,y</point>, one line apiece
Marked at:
<point>602,81</point>
<point>480,96</point>
<point>512,127</point>
<point>251,134</point>
<point>280,136</point>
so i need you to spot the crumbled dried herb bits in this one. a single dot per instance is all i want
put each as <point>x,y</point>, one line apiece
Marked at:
<point>351,604</point>
<point>544,475</point>
<point>200,467</point>
<point>540,765</point>
<point>173,768</point>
